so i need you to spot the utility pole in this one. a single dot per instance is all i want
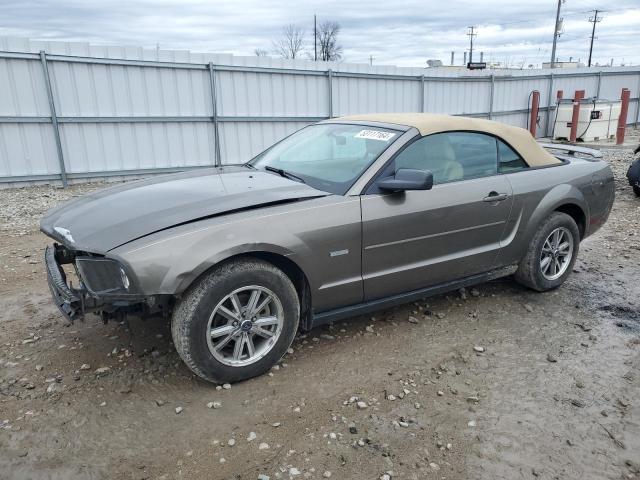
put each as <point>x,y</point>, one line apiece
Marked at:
<point>371,60</point>
<point>556,34</point>
<point>315,38</point>
<point>471,34</point>
<point>595,19</point>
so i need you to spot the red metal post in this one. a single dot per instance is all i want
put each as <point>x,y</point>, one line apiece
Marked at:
<point>579,95</point>
<point>533,120</point>
<point>622,119</point>
<point>559,95</point>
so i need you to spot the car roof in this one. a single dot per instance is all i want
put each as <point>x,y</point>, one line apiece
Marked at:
<point>429,123</point>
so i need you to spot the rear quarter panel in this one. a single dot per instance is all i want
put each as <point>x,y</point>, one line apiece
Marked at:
<point>538,192</point>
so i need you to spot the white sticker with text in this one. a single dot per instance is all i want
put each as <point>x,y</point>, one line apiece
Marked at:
<point>375,135</point>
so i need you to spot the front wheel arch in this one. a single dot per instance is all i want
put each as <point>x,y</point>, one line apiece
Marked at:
<point>290,268</point>
<point>193,314</point>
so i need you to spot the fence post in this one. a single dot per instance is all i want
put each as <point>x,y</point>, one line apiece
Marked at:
<point>54,118</point>
<point>330,91</point>
<point>491,92</point>
<point>548,115</point>
<point>214,105</point>
<point>422,95</point>
<point>635,120</point>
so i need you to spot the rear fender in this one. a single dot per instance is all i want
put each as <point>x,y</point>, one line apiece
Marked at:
<point>559,196</point>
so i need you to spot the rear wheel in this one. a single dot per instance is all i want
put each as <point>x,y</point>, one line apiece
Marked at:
<point>636,190</point>
<point>551,253</point>
<point>237,321</point>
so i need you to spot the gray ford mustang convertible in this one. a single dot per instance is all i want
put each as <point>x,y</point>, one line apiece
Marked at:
<point>341,218</point>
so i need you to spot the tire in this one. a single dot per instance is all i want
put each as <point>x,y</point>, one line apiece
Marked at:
<point>194,322</point>
<point>530,270</point>
<point>636,190</point>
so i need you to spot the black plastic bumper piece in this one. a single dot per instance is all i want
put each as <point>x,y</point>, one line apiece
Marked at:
<point>68,301</point>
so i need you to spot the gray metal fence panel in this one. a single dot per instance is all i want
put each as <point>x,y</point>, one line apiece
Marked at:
<point>458,97</point>
<point>271,94</point>
<point>22,89</point>
<point>128,110</point>
<point>514,94</point>
<point>27,149</point>
<point>101,147</point>
<point>364,95</point>
<point>241,141</point>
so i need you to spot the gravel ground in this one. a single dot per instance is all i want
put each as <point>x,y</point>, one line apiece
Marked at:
<point>494,382</point>
<point>21,208</point>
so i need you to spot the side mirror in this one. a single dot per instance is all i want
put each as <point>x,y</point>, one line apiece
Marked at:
<point>407,179</point>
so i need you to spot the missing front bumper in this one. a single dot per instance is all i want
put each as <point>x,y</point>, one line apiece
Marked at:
<point>74,303</point>
<point>70,301</point>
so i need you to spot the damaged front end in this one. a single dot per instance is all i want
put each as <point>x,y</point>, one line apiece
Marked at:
<point>103,286</point>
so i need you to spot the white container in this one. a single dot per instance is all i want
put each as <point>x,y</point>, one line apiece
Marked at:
<point>595,123</point>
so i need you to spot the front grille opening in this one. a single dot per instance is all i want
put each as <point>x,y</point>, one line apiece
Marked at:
<point>66,260</point>
<point>71,275</point>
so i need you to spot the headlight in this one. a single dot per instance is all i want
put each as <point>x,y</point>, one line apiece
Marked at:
<point>102,276</point>
<point>124,279</point>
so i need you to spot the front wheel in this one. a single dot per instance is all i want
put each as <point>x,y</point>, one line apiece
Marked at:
<point>237,321</point>
<point>551,254</point>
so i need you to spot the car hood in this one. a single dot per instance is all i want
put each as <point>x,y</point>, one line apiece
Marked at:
<point>105,219</point>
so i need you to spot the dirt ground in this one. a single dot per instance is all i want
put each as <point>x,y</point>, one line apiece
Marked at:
<point>554,394</point>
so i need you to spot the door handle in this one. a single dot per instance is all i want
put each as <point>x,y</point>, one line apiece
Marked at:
<point>495,197</point>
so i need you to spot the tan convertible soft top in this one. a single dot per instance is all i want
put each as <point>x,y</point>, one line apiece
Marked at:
<point>428,123</point>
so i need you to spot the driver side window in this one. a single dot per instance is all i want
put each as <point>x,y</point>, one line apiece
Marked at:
<point>452,156</point>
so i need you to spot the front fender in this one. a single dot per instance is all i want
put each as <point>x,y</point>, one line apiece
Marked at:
<point>306,233</point>
<point>169,264</point>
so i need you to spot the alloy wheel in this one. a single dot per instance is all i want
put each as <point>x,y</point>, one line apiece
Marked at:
<point>245,325</point>
<point>556,254</point>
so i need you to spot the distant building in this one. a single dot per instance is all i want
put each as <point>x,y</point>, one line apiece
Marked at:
<point>563,64</point>
<point>434,63</point>
<point>449,68</point>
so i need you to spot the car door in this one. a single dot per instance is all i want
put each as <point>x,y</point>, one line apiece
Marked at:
<point>416,239</point>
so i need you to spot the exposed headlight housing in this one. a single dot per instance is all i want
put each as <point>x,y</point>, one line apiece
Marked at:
<point>66,234</point>
<point>103,276</point>
<point>124,279</point>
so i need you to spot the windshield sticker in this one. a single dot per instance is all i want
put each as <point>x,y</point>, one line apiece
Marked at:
<point>375,135</point>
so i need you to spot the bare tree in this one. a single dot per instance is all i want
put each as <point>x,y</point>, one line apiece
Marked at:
<point>260,52</point>
<point>291,44</point>
<point>328,41</point>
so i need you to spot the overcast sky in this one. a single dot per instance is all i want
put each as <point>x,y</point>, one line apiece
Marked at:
<point>399,32</point>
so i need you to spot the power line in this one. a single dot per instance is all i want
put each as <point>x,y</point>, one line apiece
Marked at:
<point>595,19</point>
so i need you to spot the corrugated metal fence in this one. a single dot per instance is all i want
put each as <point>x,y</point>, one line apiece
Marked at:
<point>80,111</point>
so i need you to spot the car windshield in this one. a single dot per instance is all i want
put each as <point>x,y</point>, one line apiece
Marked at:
<point>327,156</point>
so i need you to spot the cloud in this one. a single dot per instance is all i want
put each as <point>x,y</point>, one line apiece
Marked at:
<point>403,32</point>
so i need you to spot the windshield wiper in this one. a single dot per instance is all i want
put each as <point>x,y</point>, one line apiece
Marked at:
<point>284,173</point>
